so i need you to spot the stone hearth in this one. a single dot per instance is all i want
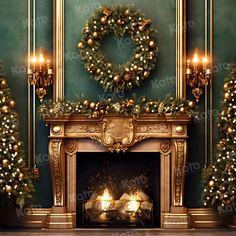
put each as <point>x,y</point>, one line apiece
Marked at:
<point>70,135</point>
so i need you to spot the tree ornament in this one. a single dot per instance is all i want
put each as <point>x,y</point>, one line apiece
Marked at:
<point>5,109</point>
<point>12,103</point>
<point>227,96</point>
<point>16,148</point>
<point>21,176</point>
<point>8,189</point>
<point>119,78</point>
<point>3,83</point>
<point>230,130</point>
<point>5,163</point>
<point>211,183</point>
<point>152,44</point>
<point>80,45</point>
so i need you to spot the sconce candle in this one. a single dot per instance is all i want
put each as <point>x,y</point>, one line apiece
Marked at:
<point>198,74</point>
<point>41,75</point>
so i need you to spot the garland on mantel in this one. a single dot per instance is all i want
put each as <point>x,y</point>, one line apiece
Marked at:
<point>170,105</point>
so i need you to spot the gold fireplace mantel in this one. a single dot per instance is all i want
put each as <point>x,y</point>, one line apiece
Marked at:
<point>149,133</point>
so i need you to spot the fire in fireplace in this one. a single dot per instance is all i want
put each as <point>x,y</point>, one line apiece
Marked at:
<point>118,189</point>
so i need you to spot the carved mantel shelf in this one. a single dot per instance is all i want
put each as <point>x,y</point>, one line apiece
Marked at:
<point>165,134</point>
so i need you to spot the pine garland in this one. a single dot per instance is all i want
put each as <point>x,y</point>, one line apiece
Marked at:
<point>171,106</point>
<point>120,21</point>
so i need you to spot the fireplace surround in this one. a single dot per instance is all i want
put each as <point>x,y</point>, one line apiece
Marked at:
<point>70,135</point>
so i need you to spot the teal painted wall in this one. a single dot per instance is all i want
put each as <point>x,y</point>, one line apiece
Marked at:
<point>13,53</point>
<point>77,80</point>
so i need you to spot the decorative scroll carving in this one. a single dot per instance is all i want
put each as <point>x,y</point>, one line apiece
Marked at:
<point>71,146</point>
<point>83,128</point>
<point>55,159</point>
<point>180,146</point>
<point>165,147</point>
<point>153,128</point>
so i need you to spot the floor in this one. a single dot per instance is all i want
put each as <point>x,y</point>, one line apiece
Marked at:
<point>119,232</point>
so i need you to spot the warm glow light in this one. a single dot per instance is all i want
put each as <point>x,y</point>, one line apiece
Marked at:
<point>205,60</point>
<point>133,204</point>
<point>34,60</point>
<point>105,200</point>
<point>41,59</point>
<point>195,58</point>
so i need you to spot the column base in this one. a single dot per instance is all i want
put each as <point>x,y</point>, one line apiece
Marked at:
<point>59,219</point>
<point>176,221</point>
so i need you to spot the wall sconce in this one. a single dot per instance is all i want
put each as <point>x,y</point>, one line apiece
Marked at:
<point>198,74</point>
<point>40,74</point>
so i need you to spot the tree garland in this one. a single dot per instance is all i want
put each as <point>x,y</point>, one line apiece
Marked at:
<point>132,107</point>
<point>120,21</point>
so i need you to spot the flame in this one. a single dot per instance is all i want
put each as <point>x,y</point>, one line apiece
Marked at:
<point>133,204</point>
<point>105,200</point>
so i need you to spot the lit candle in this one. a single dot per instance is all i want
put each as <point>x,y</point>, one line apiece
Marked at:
<point>34,61</point>
<point>41,61</point>
<point>204,63</point>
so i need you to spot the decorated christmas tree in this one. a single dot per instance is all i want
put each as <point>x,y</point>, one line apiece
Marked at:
<point>220,177</point>
<point>15,181</point>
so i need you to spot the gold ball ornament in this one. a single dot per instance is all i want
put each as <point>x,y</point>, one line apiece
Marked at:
<point>95,35</point>
<point>116,78</point>
<point>120,22</point>
<point>182,109</point>
<point>127,77</point>
<point>211,183</point>
<point>3,83</point>
<point>86,103</point>
<point>92,105</point>
<point>16,148</point>
<point>21,176</point>
<point>127,12</point>
<point>147,109</point>
<point>51,111</point>
<point>98,72</point>
<point>227,96</point>
<point>8,189</point>
<point>135,67</point>
<point>109,65</point>
<point>5,163</point>
<point>90,42</point>
<point>152,44</point>
<point>137,56</point>
<point>12,103</point>
<point>230,130</point>
<point>80,45</point>
<point>104,20</point>
<point>146,74</point>
<point>5,109</point>
<point>191,104</point>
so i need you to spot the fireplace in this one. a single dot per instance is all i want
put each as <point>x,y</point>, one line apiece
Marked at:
<point>72,136</point>
<point>118,189</point>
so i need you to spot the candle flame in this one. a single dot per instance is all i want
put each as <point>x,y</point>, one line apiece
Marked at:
<point>41,59</point>
<point>195,58</point>
<point>205,60</point>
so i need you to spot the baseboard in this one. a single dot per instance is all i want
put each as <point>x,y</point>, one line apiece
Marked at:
<point>37,218</point>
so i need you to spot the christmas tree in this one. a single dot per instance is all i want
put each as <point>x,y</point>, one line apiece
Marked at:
<point>15,181</point>
<point>220,177</point>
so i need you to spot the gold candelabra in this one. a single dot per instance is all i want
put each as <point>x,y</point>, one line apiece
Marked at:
<point>40,74</point>
<point>198,74</point>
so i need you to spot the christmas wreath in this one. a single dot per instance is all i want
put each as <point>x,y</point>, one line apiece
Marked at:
<point>120,21</point>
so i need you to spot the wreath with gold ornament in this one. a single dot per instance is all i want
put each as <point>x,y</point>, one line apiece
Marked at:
<point>120,21</point>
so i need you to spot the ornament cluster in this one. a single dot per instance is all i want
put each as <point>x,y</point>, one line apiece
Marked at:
<point>120,21</point>
<point>220,177</point>
<point>14,179</point>
<point>128,107</point>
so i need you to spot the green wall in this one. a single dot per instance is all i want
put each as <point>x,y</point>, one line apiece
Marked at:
<point>13,53</point>
<point>78,82</point>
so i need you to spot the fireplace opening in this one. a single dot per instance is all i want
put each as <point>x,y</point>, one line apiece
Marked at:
<point>118,190</point>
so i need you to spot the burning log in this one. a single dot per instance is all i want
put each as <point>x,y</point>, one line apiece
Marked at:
<point>146,206</point>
